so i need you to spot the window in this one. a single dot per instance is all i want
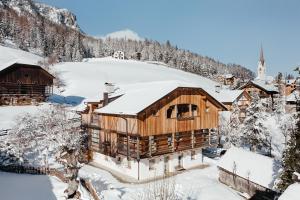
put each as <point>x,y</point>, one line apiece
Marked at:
<point>194,110</point>
<point>170,112</point>
<point>152,164</point>
<point>183,110</point>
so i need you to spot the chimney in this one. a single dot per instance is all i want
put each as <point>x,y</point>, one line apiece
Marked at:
<point>218,88</point>
<point>105,98</point>
<point>110,87</point>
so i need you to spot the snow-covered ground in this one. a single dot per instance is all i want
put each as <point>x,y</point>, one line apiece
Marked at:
<point>30,187</point>
<point>8,114</point>
<point>8,55</point>
<point>85,80</point>
<point>195,184</point>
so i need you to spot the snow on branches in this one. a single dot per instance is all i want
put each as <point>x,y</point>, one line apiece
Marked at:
<point>38,138</point>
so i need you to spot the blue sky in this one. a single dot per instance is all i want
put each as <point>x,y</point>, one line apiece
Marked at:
<point>228,30</point>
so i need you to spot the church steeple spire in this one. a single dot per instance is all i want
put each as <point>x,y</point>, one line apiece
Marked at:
<point>261,58</point>
<point>261,68</point>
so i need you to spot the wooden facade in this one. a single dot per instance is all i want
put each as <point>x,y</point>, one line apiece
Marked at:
<point>243,101</point>
<point>251,88</point>
<point>290,87</point>
<point>23,83</point>
<point>184,119</point>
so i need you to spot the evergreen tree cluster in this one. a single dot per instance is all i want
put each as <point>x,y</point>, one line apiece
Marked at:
<point>32,31</point>
<point>291,156</point>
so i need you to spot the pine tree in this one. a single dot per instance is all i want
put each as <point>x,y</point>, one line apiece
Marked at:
<point>291,156</point>
<point>254,132</point>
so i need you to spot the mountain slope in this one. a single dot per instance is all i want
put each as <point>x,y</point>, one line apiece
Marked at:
<point>54,33</point>
<point>56,15</point>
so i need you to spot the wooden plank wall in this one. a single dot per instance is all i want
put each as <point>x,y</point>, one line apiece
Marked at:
<point>158,123</point>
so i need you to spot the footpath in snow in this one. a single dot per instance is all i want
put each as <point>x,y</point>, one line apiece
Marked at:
<point>195,184</point>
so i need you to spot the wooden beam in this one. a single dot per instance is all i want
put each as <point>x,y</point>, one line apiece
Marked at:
<point>138,148</point>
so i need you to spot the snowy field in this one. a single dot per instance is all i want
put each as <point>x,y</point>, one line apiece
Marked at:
<point>30,187</point>
<point>196,184</point>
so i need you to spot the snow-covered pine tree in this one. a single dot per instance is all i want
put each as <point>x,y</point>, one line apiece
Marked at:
<point>235,125</point>
<point>254,132</point>
<point>291,156</point>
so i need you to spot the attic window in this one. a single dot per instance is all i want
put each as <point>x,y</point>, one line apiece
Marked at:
<point>194,110</point>
<point>183,110</point>
<point>170,112</point>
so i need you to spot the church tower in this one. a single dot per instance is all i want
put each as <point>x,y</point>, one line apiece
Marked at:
<point>261,69</point>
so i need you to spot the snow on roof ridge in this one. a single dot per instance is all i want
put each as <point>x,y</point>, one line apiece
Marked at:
<point>242,162</point>
<point>146,93</point>
<point>15,61</point>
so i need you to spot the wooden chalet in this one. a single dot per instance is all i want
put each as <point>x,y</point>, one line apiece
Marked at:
<point>261,88</point>
<point>162,126</point>
<point>24,84</point>
<point>229,79</point>
<point>290,86</point>
<point>239,97</point>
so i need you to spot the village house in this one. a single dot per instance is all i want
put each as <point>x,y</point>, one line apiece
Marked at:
<point>239,97</point>
<point>248,172</point>
<point>261,88</point>
<point>291,101</point>
<point>290,86</point>
<point>229,79</point>
<point>152,129</point>
<point>119,55</point>
<point>24,84</point>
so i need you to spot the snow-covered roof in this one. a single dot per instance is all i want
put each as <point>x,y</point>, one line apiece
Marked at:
<point>227,96</point>
<point>228,76</point>
<point>293,97</point>
<point>246,164</point>
<point>290,81</point>
<point>137,97</point>
<point>9,56</point>
<point>86,79</point>
<point>8,64</point>
<point>263,85</point>
<point>291,193</point>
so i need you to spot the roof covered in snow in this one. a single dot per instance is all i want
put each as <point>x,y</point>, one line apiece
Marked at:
<point>228,96</point>
<point>137,97</point>
<point>14,62</point>
<point>290,81</point>
<point>291,193</point>
<point>268,87</point>
<point>246,164</point>
<point>228,76</point>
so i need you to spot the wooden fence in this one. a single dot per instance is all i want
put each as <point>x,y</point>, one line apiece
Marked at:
<point>19,169</point>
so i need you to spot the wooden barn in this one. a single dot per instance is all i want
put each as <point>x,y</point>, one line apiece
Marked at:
<point>24,84</point>
<point>153,129</point>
